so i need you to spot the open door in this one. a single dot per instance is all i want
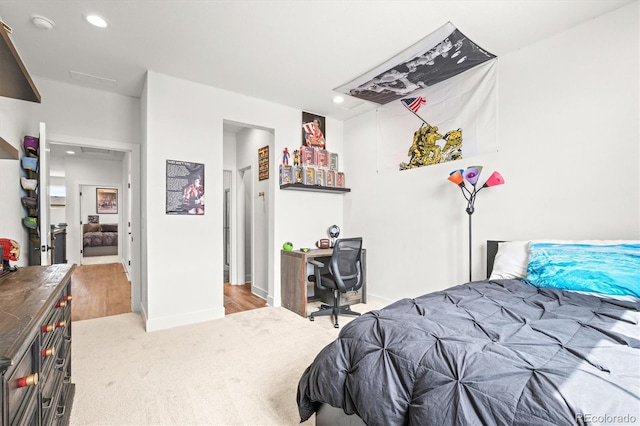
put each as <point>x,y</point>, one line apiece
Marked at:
<point>44,203</point>
<point>128,240</point>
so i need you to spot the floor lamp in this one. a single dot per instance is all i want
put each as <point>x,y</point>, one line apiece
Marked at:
<point>471,175</point>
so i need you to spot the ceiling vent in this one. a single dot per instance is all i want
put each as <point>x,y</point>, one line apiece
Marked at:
<point>96,151</point>
<point>92,79</point>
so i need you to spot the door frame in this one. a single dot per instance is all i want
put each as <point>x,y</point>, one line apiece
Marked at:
<point>132,163</point>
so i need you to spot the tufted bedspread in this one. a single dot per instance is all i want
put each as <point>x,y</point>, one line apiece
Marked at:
<point>482,353</point>
<point>99,239</point>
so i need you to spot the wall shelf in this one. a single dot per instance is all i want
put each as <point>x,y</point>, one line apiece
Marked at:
<point>7,151</point>
<point>314,188</point>
<point>15,81</point>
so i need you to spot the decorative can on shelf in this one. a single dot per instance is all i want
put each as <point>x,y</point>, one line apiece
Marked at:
<point>309,174</point>
<point>333,161</point>
<point>330,178</point>
<point>286,174</point>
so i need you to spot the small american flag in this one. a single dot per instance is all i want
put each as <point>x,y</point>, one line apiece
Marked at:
<point>414,104</point>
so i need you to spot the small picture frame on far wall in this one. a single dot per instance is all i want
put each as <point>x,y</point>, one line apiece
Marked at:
<point>106,200</point>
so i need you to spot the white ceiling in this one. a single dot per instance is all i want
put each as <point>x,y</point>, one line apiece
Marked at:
<point>289,52</point>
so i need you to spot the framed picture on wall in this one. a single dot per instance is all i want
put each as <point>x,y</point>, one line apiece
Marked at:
<point>263,163</point>
<point>313,130</point>
<point>185,187</point>
<point>106,200</point>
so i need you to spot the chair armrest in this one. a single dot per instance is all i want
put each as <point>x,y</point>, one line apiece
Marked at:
<point>316,264</point>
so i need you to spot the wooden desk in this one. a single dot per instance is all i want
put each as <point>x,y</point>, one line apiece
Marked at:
<point>293,279</point>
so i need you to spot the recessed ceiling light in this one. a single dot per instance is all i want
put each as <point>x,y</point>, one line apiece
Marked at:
<point>70,152</point>
<point>338,99</point>
<point>42,22</point>
<point>96,21</point>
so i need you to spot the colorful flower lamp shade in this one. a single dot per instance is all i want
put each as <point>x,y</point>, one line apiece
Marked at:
<point>467,181</point>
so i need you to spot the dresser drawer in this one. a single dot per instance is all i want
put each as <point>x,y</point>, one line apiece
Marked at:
<point>22,383</point>
<point>29,416</point>
<point>51,393</point>
<point>49,325</point>
<point>48,356</point>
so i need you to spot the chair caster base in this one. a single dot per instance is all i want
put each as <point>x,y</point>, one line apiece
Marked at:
<point>336,326</point>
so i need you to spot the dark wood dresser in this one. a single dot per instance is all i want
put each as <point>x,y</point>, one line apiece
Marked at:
<point>35,346</point>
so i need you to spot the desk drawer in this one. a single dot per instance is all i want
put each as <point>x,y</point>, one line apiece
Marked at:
<point>348,298</point>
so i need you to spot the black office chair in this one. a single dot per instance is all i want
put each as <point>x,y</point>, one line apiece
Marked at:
<point>345,274</point>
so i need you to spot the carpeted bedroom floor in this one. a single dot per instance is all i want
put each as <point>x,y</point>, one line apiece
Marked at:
<point>240,370</point>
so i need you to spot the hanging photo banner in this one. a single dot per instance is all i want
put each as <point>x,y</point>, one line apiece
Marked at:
<point>185,188</point>
<point>453,120</point>
<point>441,55</point>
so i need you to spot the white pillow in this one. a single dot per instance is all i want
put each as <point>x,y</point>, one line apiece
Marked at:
<point>511,261</point>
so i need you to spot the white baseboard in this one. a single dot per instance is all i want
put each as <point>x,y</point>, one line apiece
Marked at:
<point>163,323</point>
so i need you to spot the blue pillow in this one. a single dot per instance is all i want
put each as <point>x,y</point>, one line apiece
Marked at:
<point>611,269</point>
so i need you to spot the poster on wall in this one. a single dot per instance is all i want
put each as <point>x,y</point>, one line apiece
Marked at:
<point>107,201</point>
<point>313,131</point>
<point>185,188</point>
<point>263,163</point>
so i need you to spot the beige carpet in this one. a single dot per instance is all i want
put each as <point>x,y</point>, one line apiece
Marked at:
<point>240,370</point>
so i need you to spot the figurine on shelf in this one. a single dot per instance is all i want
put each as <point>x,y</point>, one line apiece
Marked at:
<point>285,156</point>
<point>296,157</point>
<point>10,250</point>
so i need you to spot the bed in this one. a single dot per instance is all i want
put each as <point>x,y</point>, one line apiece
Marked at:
<point>99,239</point>
<point>551,338</point>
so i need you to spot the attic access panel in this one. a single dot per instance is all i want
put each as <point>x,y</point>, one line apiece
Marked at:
<point>443,54</point>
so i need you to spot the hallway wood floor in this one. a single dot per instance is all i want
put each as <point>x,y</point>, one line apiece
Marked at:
<point>238,298</point>
<point>104,290</point>
<point>99,291</point>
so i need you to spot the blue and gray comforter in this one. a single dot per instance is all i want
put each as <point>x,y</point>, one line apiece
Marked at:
<point>488,352</point>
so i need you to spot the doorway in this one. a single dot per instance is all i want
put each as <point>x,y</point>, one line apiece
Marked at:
<point>245,212</point>
<point>100,236</point>
<point>92,165</point>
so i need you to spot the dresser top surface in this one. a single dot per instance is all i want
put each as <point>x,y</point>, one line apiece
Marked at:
<point>25,297</point>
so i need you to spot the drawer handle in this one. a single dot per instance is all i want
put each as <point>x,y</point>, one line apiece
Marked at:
<point>61,304</point>
<point>46,328</point>
<point>30,380</point>
<point>61,410</point>
<point>67,298</point>
<point>46,403</point>
<point>48,352</point>
<point>61,324</point>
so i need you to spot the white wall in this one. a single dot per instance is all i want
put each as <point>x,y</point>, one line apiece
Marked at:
<point>185,122</point>
<point>67,110</point>
<point>14,125</point>
<point>569,152</point>
<point>85,112</point>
